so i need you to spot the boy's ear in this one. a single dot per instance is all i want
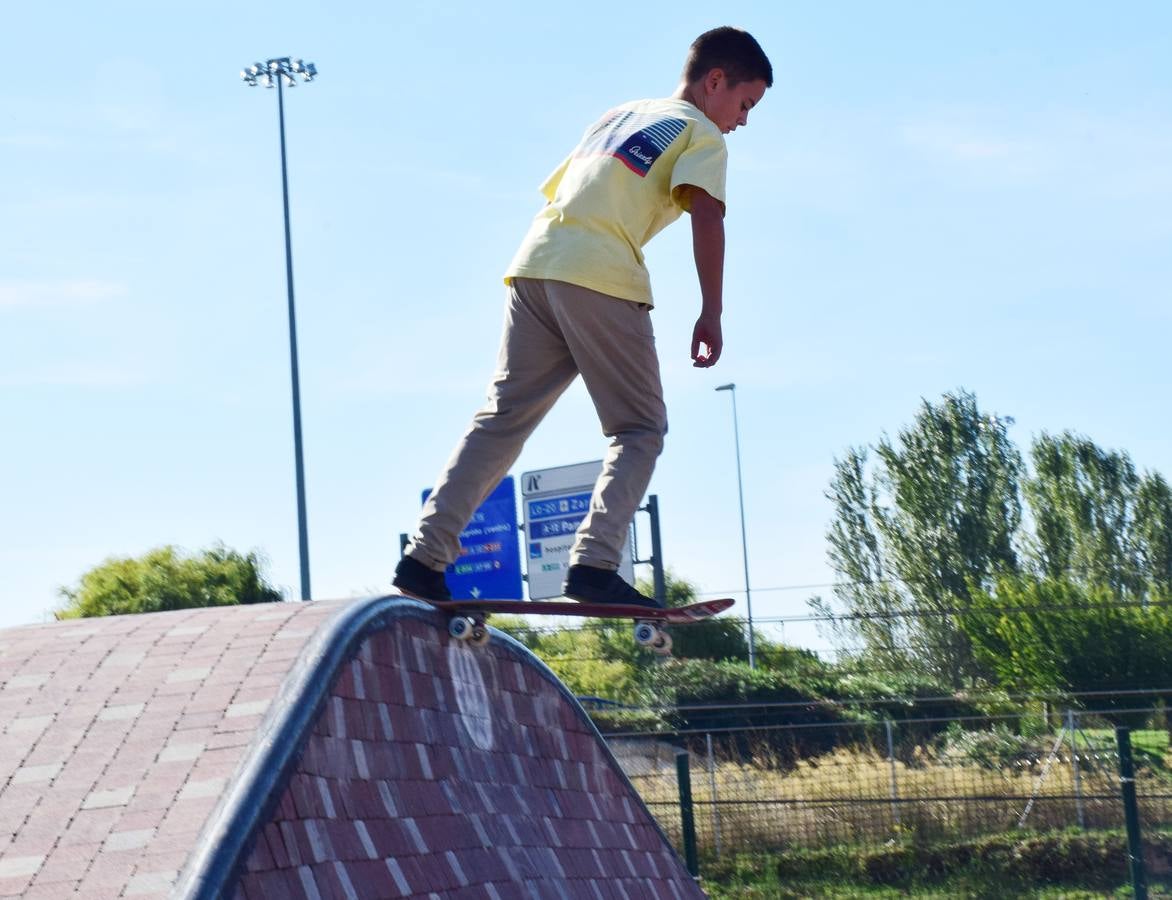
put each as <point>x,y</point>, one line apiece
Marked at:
<point>713,80</point>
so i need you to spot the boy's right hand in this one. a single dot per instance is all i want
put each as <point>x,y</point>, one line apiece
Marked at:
<point>708,247</point>
<point>706,334</point>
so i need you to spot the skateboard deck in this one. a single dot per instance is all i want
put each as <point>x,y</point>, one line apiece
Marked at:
<point>469,616</point>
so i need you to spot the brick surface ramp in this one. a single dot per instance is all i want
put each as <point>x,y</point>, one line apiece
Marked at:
<point>344,750</point>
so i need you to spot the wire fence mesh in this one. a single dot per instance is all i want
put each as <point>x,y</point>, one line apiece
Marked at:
<point>920,781</point>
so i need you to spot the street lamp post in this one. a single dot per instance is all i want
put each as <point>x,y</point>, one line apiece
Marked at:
<point>282,72</point>
<point>732,389</point>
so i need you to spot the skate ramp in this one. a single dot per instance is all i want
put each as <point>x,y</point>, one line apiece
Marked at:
<point>310,750</point>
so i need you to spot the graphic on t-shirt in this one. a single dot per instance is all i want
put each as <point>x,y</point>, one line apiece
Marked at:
<point>635,139</point>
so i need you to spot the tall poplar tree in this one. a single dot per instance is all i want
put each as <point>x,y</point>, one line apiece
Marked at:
<point>1083,500</point>
<point>936,516</point>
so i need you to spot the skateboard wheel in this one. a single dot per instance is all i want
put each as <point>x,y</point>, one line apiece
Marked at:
<point>662,645</point>
<point>479,636</point>
<point>460,628</point>
<point>645,634</point>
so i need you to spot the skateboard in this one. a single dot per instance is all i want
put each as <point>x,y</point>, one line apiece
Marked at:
<point>468,617</point>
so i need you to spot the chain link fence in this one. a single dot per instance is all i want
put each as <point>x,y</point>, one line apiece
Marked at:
<point>919,781</point>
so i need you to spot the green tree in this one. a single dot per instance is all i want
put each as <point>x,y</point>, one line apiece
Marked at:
<point>937,514</point>
<point>585,659</point>
<point>165,579</point>
<point>1060,636</point>
<point>796,662</point>
<point>596,659</point>
<point>1153,530</point>
<point>1084,501</point>
<point>875,604</point>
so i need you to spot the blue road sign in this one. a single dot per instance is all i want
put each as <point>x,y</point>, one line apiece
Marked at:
<point>490,557</point>
<point>556,501</point>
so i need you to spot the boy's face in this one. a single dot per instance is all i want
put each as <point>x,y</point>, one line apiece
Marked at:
<point>728,106</point>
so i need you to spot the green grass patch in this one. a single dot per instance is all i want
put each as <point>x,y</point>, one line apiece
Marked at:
<point>1149,747</point>
<point>1061,864</point>
<point>1151,742</point>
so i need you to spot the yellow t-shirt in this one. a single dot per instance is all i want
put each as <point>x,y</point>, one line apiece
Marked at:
<point>618,189</point>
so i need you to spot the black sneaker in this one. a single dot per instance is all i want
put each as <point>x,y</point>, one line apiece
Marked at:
<point>587,584</point>
<point>414,578</point>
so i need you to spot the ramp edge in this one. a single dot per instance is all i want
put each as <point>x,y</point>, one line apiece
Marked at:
<point>251,795</point>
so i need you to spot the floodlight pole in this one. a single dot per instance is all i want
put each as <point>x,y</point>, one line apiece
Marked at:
<point>279,70</point>
<point>732,389</point>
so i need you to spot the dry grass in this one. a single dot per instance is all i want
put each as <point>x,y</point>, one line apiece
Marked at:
<point>845,797</point>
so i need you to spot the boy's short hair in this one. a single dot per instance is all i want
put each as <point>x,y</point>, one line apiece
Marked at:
<point>731,49</point>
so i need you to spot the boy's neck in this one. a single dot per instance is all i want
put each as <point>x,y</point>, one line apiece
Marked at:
<point>686,93</point>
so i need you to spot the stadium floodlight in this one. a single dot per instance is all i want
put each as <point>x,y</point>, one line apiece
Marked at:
<point>276,71</point>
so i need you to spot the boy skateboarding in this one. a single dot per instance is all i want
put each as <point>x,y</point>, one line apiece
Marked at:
<point>579,303</point>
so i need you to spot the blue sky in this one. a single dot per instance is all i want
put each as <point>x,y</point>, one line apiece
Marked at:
<point>932,196</point>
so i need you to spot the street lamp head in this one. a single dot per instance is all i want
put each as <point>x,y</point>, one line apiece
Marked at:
<point>281,70</point>
<point>727,387</point>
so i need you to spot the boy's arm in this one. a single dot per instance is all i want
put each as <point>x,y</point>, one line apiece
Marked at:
<point>708,249</point>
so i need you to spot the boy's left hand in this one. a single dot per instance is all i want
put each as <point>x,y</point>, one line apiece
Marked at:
<point>706,333</point>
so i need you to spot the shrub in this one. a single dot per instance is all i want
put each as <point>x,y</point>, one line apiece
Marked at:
<point>167,579</point>
<point>995,748</point>
<point>727,692</point>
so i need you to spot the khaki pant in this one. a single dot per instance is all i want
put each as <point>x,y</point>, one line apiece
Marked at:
<point>553,332</point>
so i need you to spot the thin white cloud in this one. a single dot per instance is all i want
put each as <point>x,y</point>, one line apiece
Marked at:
<point>29,141</point>
<point>972,143</point>
<point>1091,153</point>
<point>28,294</point>
<point>71,375</point>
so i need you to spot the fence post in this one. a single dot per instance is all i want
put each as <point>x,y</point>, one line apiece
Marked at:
<point>1135,850</point>
<point>894,779</point>
<point>687,818</point>
<point>715,800</point>
<point>1070,727</point>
